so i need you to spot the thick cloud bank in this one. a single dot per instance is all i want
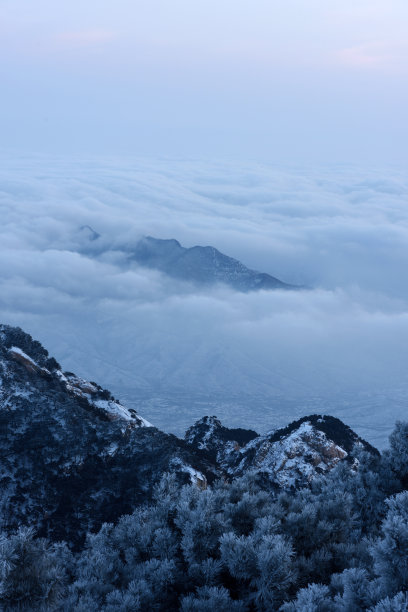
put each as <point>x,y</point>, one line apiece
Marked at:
<point>176,352</point>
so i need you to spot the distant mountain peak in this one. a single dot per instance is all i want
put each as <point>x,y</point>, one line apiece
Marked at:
<point>162,241</point>
<point>203,265</point>
<point>89,233</point>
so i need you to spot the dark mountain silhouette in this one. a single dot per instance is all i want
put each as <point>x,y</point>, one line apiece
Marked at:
<point>203,265</point>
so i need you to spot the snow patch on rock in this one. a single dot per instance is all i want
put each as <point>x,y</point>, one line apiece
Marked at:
<point>31,366</point>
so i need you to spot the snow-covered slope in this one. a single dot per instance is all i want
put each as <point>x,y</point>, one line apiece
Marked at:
<point>291,456</point>
<point>71,455</point>
<point>210,435</point>
<point>98,398</point>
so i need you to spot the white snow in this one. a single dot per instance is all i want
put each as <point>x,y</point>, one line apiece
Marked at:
<point>15,350</point>
<point>119,411</point>
<point>301,454</point>
<point>144,421</point>
<point>61,376</point>
<point>114,408</point>
<point>83,388</point>
<point>18,351</point>
<point>195,475</point>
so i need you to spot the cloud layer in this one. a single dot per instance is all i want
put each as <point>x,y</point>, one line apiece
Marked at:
<point>175,352</point>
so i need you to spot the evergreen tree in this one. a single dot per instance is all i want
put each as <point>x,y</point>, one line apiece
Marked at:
<point>314,598</point>
<point>33,573</point>
<point>399,603</point>
<point>390,552</point>
<point>211,599</point>
<point>397,455</point>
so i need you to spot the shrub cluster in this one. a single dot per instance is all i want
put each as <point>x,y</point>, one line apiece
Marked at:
<point>339,544</point>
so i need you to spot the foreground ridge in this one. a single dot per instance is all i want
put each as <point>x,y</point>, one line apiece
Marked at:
<point>290,456</point>
<point>73,456</point>
<point>307,517</point>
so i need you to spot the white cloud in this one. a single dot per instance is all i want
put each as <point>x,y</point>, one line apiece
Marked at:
<point>175,351</point>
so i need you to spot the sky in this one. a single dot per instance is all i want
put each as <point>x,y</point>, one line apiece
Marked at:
<point>275,80</point>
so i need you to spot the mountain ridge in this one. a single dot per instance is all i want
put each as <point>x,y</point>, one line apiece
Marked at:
<point>203,265</point>
<point>73,457</point>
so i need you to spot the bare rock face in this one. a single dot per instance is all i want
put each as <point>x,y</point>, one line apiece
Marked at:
<point>100,399</point>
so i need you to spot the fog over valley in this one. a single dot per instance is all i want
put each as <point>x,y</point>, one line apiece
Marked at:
<point>176,349</point>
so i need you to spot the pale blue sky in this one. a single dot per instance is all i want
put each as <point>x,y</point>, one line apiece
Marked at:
<point>280,79</point>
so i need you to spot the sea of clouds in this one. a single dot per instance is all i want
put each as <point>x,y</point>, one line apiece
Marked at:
<point>176,352</point>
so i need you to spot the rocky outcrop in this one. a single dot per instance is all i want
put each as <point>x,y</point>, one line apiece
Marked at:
<point>290,457</point>
<point>218,441</point>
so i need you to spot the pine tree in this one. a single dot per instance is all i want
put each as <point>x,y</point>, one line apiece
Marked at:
<point>33,573</point>
<point>390,552</point>
<point>397,456</point>
<point>211,599</point>
<point>315,598</point>
<point>399,603</point>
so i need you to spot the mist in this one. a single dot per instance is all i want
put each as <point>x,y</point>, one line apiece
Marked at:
<point>174,351</point>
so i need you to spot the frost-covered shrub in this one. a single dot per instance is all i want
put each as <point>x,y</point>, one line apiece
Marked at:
<point>338,545</point>
<point>390,552</point>
<point>209,599</point>
<point>33,572</point>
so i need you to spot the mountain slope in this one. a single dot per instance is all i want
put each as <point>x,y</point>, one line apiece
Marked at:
<point>291,456</point>
<point>71,456</point>
<point>210,435</point>
<point>202,265</point>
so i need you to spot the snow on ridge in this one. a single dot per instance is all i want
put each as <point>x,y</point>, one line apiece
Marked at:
<point>197,478</point>
<point>17,351</point>
<point>83,388</point>
<point>118,411</point>
<point>297,456</point>
<point>77,386</point>
<point>32,366</point>
<point>145,422</point>
<point>212,424</point>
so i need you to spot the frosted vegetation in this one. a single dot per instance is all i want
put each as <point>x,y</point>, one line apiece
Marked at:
<point>338,544</point>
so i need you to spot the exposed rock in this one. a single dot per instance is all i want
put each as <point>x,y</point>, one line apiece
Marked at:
<point>291,456</point>
<point>210,435</point>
